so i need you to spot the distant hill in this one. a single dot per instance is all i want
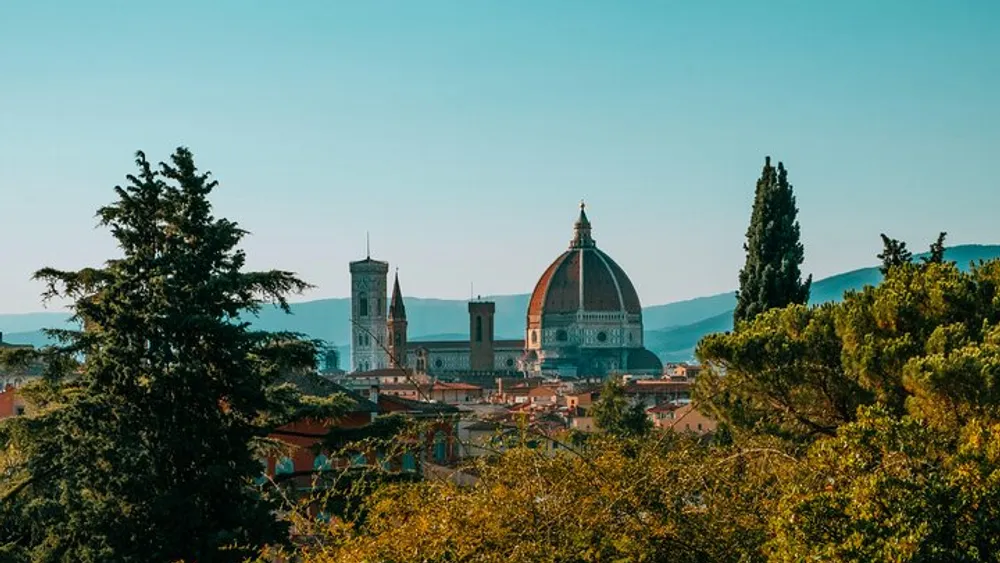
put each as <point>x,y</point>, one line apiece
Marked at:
<point>677,343</point>
<point>674,328</point>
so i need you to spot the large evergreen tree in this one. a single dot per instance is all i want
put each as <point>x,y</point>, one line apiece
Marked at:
<point>771,276</point>
<point>614,414</point>
<point>144,451</point>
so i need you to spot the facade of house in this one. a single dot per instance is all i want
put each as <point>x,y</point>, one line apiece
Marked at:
<point>681,418</point>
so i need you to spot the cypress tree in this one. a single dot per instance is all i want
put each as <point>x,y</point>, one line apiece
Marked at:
<point>144,450</point>
<point>771,276</point>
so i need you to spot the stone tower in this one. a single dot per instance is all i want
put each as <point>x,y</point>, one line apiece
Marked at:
<point>369,331</point>
<point>481,354</point>
<point>397,326</point>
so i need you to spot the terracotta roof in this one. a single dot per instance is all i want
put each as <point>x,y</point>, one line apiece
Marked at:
<point>418,406</point>
<point>606,287</point>
<point>457,386</point>
<point>657,386</point>
<point>663,407</point>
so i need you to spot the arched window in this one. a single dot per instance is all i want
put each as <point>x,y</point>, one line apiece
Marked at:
<point>321,463</point>
<point>534,337</point>
<point>378,307</point>
<point>440,447</point>
<point>362,304</point>
<point>479,328</point>
<point>409,462</point>
<point>361,339</point>
<point>397,339</point>
<point>284,466</point>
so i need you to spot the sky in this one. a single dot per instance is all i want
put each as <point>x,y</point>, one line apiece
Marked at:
<point>462,134</point>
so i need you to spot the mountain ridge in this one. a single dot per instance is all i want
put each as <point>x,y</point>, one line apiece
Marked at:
<point>676,326</point>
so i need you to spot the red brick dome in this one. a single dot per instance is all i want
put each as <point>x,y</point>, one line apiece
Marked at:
<point>583,278</point>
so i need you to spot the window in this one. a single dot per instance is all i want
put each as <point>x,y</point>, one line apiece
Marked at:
<point>322,463</point>
<point>378,307</point>
<point>284,466</point>
<point>397,339</point>
<point>438,363</point>
<point>479,328</point>
<point>362,304</point>
<point>510,362</point>
<point>602,336</point>
<point>361,339</point>
<point>440,447</point>
<point>409,462</point>
<point>534,337</point>
<point>561,335</point>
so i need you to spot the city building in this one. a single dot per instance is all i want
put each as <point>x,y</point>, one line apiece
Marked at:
<point>584,320</point>
<point>584,317</point>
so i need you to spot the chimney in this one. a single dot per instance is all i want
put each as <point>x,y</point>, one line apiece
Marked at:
<point>373,397</point>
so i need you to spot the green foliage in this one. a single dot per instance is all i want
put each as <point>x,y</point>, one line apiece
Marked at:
<point>614,414</point>
<point>771,276</point>
<point>894,489</point>
<point>143,453</point>
<point>612,501</point>
<point>922,341</point>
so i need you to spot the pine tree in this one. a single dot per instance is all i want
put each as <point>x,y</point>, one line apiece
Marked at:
<point>771,277</point>
<point>936,255</point>
<point>894,253</point>
<point>144,452</point>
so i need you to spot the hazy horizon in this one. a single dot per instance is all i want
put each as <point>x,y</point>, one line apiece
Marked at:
<point>462,135</point>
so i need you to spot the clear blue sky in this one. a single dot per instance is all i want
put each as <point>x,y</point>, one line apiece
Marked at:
<point>463,133</point>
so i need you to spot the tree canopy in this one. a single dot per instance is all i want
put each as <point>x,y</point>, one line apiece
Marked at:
<point>142,446</point>
<point>613,413</point>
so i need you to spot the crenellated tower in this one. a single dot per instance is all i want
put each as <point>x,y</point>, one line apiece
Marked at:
<point>481,351</point>
<point>369,329</point>
<point>397,326</point>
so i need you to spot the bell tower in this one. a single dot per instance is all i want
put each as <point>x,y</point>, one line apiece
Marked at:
<point>397,327</point>
<point>369,330</point>
<point>481,353</point>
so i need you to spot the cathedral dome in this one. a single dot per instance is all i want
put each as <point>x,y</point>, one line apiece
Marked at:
<point>583,279</point>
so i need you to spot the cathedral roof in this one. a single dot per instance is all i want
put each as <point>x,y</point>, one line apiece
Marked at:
<point>583,278</point>
<point>644,360</point>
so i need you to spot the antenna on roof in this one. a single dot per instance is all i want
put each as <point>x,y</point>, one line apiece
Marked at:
<point>368,245</point>
<point>472,291</point>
